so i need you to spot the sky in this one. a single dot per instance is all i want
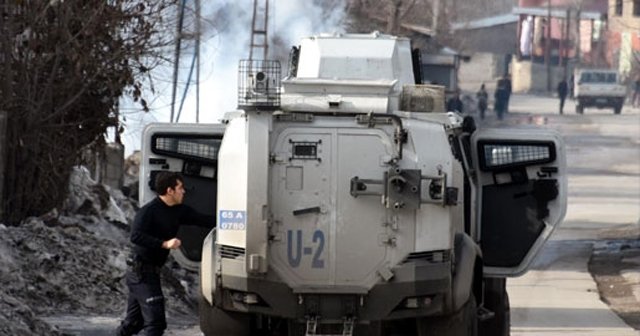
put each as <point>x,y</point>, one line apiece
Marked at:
<point>226,29</point>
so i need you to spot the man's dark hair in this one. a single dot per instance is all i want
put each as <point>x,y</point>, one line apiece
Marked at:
<point>166,180</point>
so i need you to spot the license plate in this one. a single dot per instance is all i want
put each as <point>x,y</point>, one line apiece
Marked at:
<point>601,100</point>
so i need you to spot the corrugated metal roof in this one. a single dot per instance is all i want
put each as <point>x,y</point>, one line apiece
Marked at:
<point>585,5</point>
<point>555,12</point>
<point>512,17</point>
<point>418,28</point>
<point>485,22</point>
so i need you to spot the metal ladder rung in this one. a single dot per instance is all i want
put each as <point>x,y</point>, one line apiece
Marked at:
<point>347,327</point>
<point>312,326</point>
<point>485,314</point>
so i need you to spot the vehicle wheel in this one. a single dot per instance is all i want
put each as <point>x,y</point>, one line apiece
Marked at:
<point>371,329</point>
<point>496,299</point>
<point>617,109</point>
<point>401,327</point>
<point>462,323</point>
<point>215,321</point>
<point>579,109</point>
<point>296,328</point>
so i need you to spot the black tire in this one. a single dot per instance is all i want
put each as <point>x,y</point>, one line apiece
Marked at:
<point>496,299</point>
<point>296,328</point>
<point>216,322</point>
<point>371,329</point>
<point>617,109</point>
<point>462,323</point>
<point>579,109</point>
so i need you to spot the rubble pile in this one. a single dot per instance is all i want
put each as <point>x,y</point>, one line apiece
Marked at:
<point>72,261</point>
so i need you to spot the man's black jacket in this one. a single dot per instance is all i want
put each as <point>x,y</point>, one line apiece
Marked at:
<point>156,222</point>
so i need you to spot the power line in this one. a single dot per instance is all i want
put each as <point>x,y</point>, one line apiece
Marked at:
<point>177,58</point>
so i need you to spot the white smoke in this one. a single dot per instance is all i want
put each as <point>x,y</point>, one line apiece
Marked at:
<point>225,41</point>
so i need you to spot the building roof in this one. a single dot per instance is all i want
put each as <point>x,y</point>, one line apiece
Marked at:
<point>418,28</point>
<point>485,22</point>
<point>600,6</point>
<point>512,17</point>
<point>556,12</point>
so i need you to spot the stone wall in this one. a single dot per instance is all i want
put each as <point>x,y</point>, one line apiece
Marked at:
<point>500,39</point>
<point>481,68</point>
<point>107,165</point>
<point>471,10</point>
<point>112,173</point>
<point>532,77</point>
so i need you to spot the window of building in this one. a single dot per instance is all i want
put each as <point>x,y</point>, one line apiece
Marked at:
<point>619,7</point>
<point>636,7</point>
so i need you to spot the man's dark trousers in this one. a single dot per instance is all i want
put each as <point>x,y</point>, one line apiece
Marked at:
<point>145,307</point>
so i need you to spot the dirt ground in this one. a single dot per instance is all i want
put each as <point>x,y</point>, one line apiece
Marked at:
<point>72,262</point>
<point>615,265</point>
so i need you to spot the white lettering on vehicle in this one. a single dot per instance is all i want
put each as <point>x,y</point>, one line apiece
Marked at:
<point>232,220</point>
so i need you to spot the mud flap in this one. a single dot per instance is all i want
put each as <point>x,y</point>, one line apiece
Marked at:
<point>215,321</point>
<point>466,254</point>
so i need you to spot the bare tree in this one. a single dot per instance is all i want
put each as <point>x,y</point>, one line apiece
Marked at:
<point>70,62</point>
<point>388,15</point>
<point>427,22</point>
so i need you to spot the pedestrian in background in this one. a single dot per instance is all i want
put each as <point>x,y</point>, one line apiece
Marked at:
<point>505,83</point>
<point>454,104</point>
<point>501,98</point>
<point>572,86</point>
<point>483,98</point>
<point>153,235</point>
<point>636,93</point>
<point>563,90</point>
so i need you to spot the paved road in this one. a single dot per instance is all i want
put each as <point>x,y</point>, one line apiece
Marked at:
<point>559,296</point>
<point>106,325</point>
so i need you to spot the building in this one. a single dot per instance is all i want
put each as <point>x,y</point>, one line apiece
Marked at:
<point>623,37</point>
<point>484,25</point>
<point>537,41</point>
<point>572,31</point>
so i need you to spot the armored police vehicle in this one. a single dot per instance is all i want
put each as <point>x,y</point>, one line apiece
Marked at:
<point>349,203</point>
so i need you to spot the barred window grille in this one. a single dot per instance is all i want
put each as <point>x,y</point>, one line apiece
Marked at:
<point>259,84</point>
<point>192,147</point>
<point>504,155</point>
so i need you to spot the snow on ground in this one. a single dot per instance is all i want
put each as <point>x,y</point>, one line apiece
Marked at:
<point>72,261</point>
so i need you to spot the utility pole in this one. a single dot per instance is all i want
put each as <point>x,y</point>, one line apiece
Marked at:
<point>176,65</point>
<point>547,47</point>
<point>578,37</point>
<point>565,49</point>
<point>394,14</point>
<point>435,9</point>
<point>6,34</point>
<point>198,35</point>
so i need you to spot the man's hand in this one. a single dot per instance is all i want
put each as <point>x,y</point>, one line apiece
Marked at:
<point>171,244</point>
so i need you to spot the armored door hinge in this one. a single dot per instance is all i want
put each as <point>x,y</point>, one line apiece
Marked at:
<point>406,189</point>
